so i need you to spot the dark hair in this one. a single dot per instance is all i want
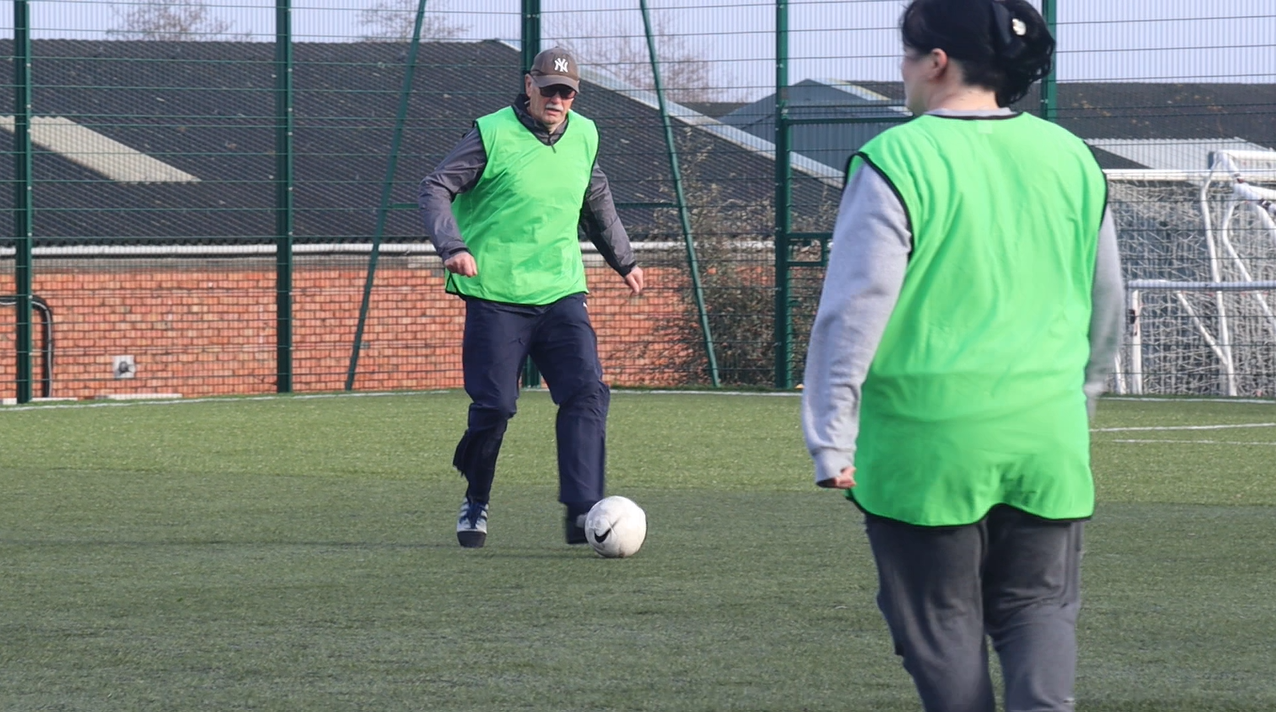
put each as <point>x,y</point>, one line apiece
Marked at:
<point>1003,45</point>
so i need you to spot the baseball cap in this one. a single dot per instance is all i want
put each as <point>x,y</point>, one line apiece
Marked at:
<point>555,66</point>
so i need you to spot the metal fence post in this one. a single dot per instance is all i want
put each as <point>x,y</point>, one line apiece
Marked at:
<point>387,186</point>
<point>683,216</point>
<point>22,198</point>
<point>783,197</point>
<point>1049,98</point>
<point>283,195</point>
<point>531,41</point>
<point>531,34</point>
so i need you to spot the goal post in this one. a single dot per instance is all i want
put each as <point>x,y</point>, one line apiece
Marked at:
<point>1200,253</point>
<point>1182,342</point>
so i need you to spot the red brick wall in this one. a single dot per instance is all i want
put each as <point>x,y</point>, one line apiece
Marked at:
<point>208,328</point>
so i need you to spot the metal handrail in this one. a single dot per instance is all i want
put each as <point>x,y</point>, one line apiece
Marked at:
<point>46,313</point>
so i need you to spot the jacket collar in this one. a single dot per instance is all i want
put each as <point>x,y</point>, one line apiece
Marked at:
<point>536,127</point>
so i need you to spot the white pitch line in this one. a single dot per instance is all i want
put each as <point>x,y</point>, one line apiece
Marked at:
<point>619,391</point>
<point>1184,427</point>
<point>217,399</point>
<point>1136,399</point>
<point>747,394</point>
<point>1195,442</point>
<point>102,403</point>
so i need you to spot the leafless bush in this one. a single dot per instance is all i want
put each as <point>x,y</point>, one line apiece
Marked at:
<point>154,20</point>
<point>394,20</point>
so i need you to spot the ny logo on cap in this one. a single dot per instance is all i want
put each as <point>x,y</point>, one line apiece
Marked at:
<point>560,65</point>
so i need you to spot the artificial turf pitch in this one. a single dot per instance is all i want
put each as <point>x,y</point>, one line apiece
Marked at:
<point>298,553</point>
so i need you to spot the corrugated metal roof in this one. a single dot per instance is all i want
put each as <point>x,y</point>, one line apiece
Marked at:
<point>98,153</point>
<point>1185,154</point>
<point>206,109</point>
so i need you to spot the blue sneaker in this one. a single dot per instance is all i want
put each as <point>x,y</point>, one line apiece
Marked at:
<point>471,524</point>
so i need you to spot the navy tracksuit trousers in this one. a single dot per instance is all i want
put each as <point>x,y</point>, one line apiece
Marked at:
<point>561,342</point>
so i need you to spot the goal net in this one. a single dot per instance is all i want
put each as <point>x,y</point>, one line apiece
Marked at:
<point>1200,253</point>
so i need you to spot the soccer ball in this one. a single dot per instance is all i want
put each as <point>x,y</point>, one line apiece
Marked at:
<point>616,527</point>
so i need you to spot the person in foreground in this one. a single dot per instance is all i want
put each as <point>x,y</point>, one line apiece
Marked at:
<point>502,211</point>
<point>970,316</point>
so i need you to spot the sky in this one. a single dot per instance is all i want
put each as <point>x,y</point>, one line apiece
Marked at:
<point>1099,40</point>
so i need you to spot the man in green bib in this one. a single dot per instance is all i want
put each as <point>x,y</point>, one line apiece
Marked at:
<point>502,211</point>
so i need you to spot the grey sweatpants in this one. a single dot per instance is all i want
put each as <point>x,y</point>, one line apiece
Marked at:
<point>1013,578</point>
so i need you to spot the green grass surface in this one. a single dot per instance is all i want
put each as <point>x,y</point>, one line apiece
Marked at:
<point>299,554</point>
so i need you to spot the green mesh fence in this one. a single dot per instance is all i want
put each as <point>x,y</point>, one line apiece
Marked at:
<point>210,181</point>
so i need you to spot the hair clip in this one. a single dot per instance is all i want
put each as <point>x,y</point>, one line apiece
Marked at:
<point>1009,30</point>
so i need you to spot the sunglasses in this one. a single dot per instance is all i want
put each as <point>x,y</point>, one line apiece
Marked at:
<point>566,92</point>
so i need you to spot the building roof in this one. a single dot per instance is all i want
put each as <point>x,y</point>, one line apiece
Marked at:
<point>159,141</point>
<point>853,114</point>
<point>1184,118</point>
<point>143,141</point>
<point>1182,154</point>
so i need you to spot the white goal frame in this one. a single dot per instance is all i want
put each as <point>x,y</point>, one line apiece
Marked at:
<point>1130,380</point>
<point>1229,272</point>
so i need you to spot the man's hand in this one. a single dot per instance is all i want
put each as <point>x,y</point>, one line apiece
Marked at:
<point>463,263</point>
<point>634,280</point>
<point>842,480</point>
